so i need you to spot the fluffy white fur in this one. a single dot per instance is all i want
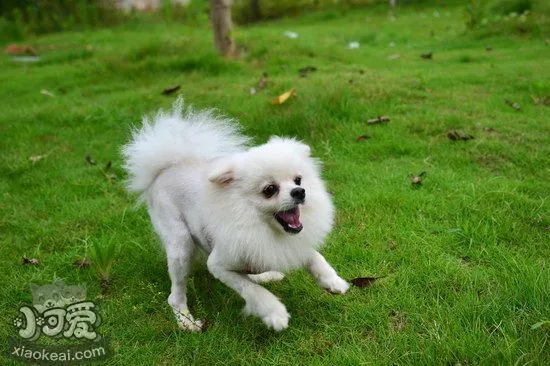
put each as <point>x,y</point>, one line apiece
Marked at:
<point>204,188</point>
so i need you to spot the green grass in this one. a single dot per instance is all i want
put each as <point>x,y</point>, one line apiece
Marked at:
<point>466,256</point>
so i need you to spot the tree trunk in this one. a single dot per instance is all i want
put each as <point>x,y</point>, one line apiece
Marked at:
<point>255,12</point>
<point>221,24</point>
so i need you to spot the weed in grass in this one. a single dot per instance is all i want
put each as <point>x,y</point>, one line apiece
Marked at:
<point>103,257</point>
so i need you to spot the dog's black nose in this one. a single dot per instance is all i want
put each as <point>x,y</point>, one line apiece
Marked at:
<point>298,194</point>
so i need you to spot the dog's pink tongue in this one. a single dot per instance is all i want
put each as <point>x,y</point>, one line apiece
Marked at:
<point>292,217</point>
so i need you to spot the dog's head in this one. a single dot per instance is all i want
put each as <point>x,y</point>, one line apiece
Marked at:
<point>279,180</point>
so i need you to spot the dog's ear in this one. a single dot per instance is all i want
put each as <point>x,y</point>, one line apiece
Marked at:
<point>222,173</point>
<point>223,178</point>
<point>292,143</point>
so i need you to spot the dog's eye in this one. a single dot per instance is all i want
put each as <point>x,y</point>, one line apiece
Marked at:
<point>298,180</point>
<point>270,190</point>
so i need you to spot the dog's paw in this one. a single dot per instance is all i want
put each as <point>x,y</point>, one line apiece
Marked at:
<point>265,277</point>
<point>267,307</point>
<point>335,284</point>
<point>277,321</point>
<point>186,321</point>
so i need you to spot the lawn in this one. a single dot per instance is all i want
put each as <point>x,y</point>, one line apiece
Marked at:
<point>463,258</point>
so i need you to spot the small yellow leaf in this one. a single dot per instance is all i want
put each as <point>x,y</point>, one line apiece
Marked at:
<point>37,158</point>
<point>283,97</point>
<point>47,93</point>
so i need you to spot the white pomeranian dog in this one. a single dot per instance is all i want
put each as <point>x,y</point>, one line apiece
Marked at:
<point>258,212</point>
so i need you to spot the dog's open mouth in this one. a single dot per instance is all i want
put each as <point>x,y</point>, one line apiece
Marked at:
<point>290,220</point>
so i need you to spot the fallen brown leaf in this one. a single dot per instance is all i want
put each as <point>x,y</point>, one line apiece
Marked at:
<point>541,101</point>
<point>82,263</point>
<point>379,119</point>
<point>513,104</point>
<point>362,138</point>
<point>398,320</point>
<point>416,180</point>
<point>31,261</point>
<point>263,81</point>
<point>15,49</point>
<point>171,90</point>
<point>363,282</point>
<point>306,70</point>
<point>456,135</point>
<point>90,160</point>
<point>283,97</point>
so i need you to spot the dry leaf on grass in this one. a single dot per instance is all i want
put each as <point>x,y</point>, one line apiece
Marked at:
<point>171,90</point>
<point>82,263</point>
<point>377,120</point>
<point>37,158</point>
<point>306,70</point>
<point>457,135</point>
<point>262,83</point>
<point>16,49</point>
<point>363,282</point>
<point>283,97</point>
<point>90,160</point>
<point>541,101</point>
<point>362,138</point>
<point>398,320</point>
<point>31,261</point>
<point>416,180</point>
<point>291,35</point>
<point>513,104</point>
<point>47,93</point>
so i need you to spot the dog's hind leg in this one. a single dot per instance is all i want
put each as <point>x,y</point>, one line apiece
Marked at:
<point>179,263</point>
<point>269,276</point>
<point>180,249</point>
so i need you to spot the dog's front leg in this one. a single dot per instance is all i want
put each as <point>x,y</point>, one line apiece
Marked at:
<point>325,275</point>
<point>259,301</point>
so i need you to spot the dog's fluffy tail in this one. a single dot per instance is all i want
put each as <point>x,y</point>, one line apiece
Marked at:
<point>177,136</point>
